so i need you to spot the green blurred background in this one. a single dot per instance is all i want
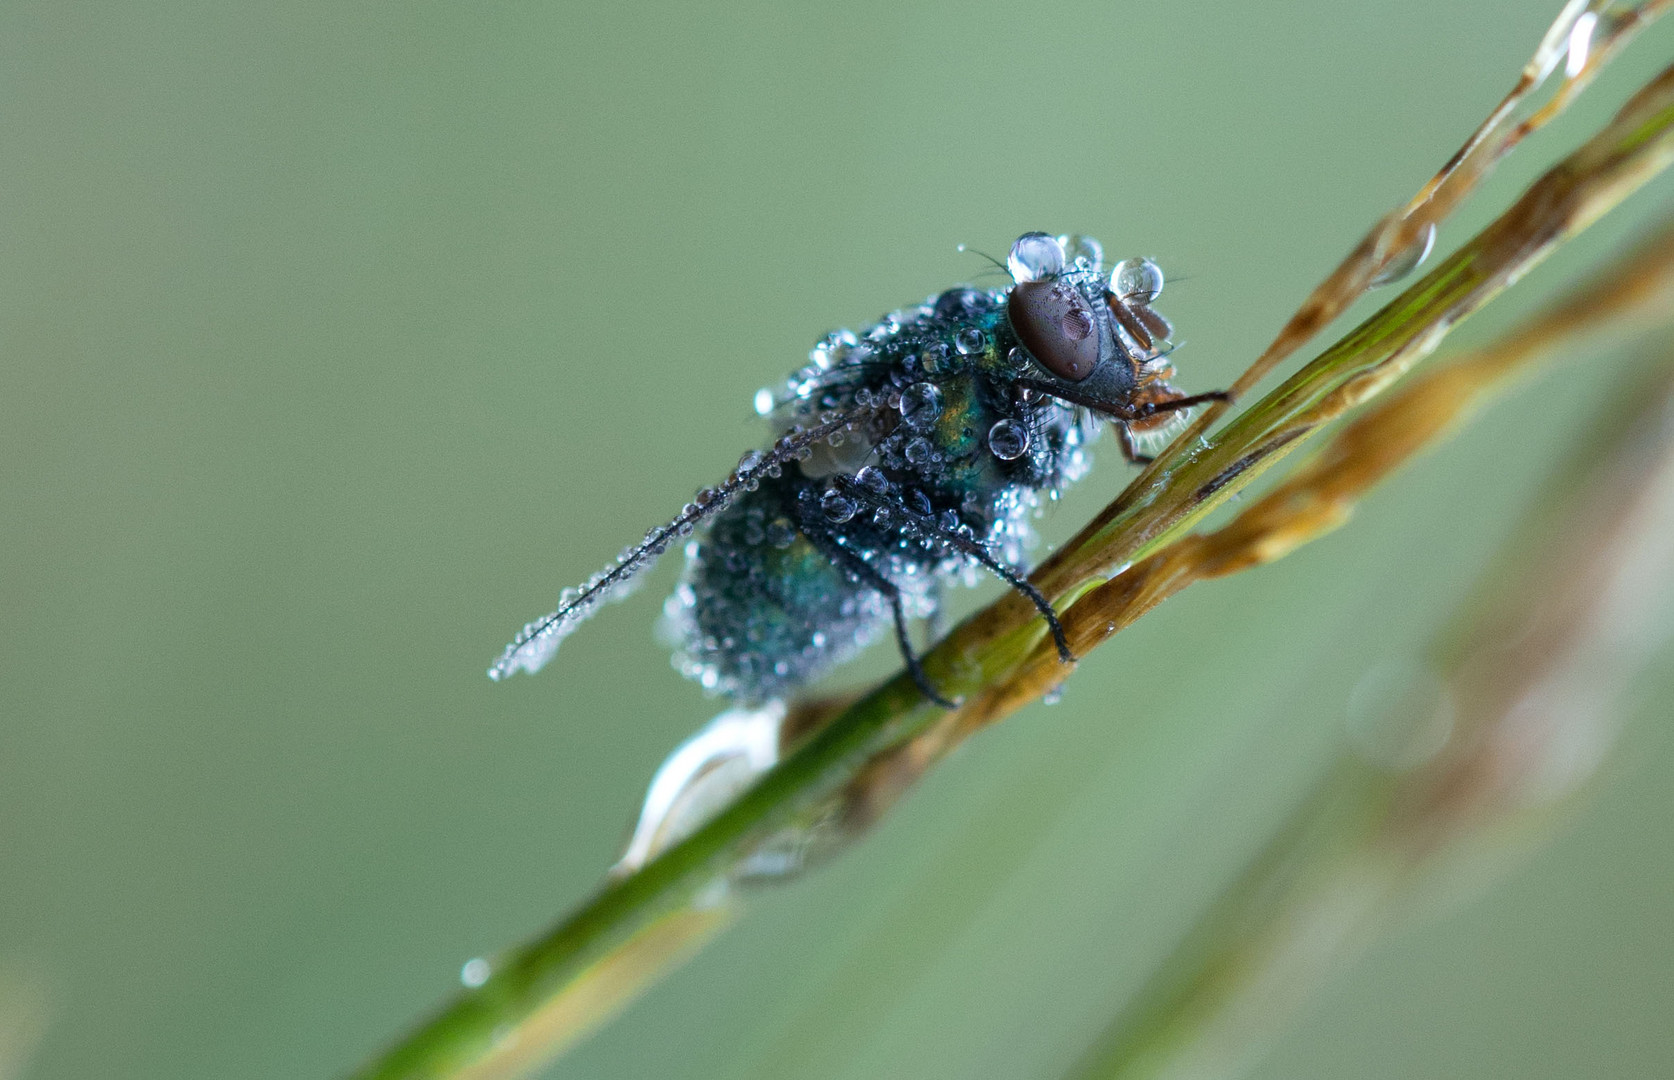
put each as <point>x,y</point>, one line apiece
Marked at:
<point>337,339</point>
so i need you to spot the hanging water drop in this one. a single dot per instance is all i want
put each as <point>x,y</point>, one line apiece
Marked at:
<point>1407,260</point>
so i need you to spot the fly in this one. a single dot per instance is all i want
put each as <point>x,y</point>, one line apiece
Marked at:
<point>904,457</point>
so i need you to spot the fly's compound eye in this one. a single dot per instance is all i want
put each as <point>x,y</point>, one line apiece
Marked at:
<point>1055,323</point>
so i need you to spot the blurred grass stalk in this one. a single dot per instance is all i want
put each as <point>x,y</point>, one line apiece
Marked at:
<point>1512,716</point>
<point>841,773</point>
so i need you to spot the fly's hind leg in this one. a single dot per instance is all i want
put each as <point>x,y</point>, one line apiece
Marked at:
<point>865,573</point>
<point>960,542</point>
<point>1023,585</point>
<point>927,528</point>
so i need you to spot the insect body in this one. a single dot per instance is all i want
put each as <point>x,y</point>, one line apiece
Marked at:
<point>915,450</point>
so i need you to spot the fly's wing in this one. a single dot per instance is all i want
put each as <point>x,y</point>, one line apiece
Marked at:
<point>536,643</point>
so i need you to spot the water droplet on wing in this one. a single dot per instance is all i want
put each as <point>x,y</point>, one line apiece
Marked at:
<point>837,507</point>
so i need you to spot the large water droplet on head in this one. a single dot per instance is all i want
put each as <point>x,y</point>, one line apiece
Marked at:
<point>1139,280</point>
<point>1035,257</point>
<point>921,404</point>
<point>969,341</point>
<point>1008,440</point>
<point>1083,251</point>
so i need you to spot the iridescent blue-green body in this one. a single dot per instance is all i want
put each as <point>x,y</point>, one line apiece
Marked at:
<point>766,604</point>
<point>914,452</point>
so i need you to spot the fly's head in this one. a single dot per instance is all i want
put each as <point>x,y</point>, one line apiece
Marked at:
<point>1086,336</point>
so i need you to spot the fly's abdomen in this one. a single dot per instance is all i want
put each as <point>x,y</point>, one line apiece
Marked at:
<point>760,611</point>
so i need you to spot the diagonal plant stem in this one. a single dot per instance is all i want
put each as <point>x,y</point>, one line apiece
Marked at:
<point>992,659</point>
<point>1530,680</point>
<point>1319,497</point>
<point>1586,35</point>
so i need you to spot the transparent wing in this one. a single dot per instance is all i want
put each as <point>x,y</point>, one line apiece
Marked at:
<point>536,643</point>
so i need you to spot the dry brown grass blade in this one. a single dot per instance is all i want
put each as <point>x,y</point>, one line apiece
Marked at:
<point>1586,35</point>
<point>1531,684</point>
<point>1569,197</point>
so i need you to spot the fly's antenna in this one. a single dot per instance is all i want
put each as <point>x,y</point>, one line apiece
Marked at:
<point>1002,267</point>
<point>536,643</point>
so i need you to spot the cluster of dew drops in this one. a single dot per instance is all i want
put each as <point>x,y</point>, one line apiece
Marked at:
<point>914,346</point>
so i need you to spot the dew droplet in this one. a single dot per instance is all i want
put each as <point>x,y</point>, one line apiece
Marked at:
<point>921,404</point>
<point>1034,257</point>
<point>837,507</point>
<point>1008,440</point>
<point>475,972</point>
<point>919,451</point>
<point>1580,44</point>
<point>959,303</point>
<point>1137,279</point>
<point>764,401</point>
<point>1083,251</point>
<point>872,479</point>
<point>1408,260</point>
<point>780,532</point>
<point>969,341</point>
